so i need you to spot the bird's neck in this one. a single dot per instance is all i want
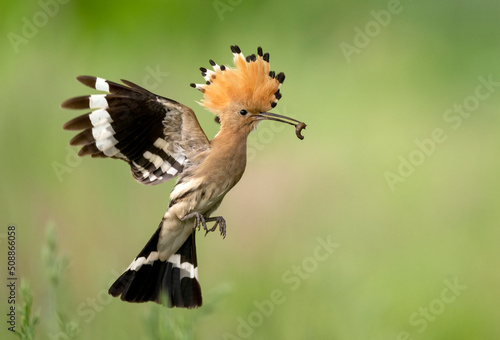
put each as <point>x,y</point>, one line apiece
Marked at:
<point>228,153</point>
<point>229,142</point>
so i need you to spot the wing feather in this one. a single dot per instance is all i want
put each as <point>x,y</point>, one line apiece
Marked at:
<point>153,134</point>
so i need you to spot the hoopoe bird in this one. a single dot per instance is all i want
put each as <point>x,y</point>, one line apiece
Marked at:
<point>161,139</point>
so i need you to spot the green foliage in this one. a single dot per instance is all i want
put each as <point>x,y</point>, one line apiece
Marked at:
<point>163,323</point>
<point>67,327</point>
<point>54,263</point>
<point>28,319</point>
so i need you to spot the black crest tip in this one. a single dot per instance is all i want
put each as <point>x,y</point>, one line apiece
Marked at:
<point>235,49</point>
<point>251,58</point>
<point>212,62</point>
<point>266,57</point>
<point>280,77</point>
<point>259,51</point>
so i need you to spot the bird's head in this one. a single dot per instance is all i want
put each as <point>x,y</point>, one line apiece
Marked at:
<point>242,95</point>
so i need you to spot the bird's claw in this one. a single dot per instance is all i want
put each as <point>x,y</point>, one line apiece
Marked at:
<point>200,221</point>
<point>221,223</point>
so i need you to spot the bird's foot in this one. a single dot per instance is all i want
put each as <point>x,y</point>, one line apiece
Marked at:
<point>200,221</point>
<point>220,222</point>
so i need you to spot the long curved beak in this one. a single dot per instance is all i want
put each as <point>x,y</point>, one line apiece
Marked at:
<point>299,126</point>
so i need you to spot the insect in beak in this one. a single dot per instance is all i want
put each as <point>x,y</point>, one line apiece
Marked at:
<point>299,126</point>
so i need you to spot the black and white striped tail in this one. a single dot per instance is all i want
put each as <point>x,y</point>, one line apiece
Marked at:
<point>173,283</point>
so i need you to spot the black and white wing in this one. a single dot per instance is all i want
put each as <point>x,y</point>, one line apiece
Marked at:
<point>147,131</point>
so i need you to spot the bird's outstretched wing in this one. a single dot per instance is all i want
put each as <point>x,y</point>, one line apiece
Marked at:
<point>153,134</point>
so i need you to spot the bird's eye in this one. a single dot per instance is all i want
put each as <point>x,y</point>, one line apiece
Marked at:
<point>243,112</point>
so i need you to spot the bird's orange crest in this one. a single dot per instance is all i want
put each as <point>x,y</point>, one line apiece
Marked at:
<point>250,83</point>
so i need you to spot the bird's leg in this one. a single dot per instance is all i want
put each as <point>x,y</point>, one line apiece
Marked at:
<point>200,221</point>
<point>219,221</point>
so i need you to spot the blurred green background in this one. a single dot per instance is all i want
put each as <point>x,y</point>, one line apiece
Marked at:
<point>398,169</point>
